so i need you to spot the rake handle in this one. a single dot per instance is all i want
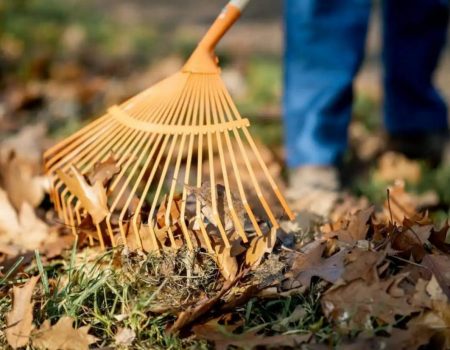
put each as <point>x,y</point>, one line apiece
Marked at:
<point>223,23</point>
<point>203,59</point>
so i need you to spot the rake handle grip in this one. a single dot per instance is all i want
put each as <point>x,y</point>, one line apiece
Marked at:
<point>226,19</point>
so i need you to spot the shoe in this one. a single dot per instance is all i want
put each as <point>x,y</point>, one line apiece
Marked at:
<point>314,189</point>
<point>431,147</point>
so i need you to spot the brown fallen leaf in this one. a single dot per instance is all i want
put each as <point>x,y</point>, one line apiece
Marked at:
<point>360,263</point>
<point>23,230</point>
<point>412,338</point>
<point>103,172</point>
<point>400,204</point>
<point>258,247</point>
<point>20,318</point>
<point>125,337</point>
<point>21,181</point>
<point>62,336</point>
<point>353,305</point>
<point>92,197</point>
<point>227,264</point>
<point>439,266</point>
<point>351,229</point>
<point>395,166</point>
<point>441,239</point>
<point>223,337</point>
<point>305,266</point>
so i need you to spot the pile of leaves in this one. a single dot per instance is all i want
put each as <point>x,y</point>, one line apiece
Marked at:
<point>370,278</point>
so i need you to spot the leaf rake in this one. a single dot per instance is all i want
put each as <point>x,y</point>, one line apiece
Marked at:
<point>164,144</point>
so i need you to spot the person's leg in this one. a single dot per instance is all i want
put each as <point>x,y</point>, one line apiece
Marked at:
<point>324,47</point>
<point>414,36</point>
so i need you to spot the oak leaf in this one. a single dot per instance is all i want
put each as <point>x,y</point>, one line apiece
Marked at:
<point>92,197</point>
<point>223,337</point>
<point>62,336</point>
<point>307,265</point>
<point>354,304</point>
<point>259,246</point>
<point>20,318</point>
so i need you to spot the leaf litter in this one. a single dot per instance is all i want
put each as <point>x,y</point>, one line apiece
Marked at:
<point>379,274</point>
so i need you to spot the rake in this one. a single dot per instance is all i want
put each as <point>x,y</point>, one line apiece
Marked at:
<point>163,146</point>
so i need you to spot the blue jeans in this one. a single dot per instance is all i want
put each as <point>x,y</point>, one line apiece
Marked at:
<point>325,42</point>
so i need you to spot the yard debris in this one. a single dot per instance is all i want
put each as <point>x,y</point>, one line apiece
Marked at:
<point>20,319</point>
<point>93,196</point>
<point>62,336</point>
<point>223,337</point>
<point>125,337</point>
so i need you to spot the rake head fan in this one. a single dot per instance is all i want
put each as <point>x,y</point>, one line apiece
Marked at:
<point>167,163</point>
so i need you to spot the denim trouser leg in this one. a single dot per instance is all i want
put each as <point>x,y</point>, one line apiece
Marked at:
<point>324,42</point>
<point>414,36</point>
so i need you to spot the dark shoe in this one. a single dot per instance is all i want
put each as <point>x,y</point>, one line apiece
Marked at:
<point>430,147</point>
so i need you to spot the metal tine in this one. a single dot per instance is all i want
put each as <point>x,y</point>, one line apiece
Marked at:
<point>247,161</point>
<point>198,219</point>
<point>212,177</point>
<point>180,113</point>
<point>231,155</point>
<point>167,117</point>
<point>261,162</point>
<point>189,121</point>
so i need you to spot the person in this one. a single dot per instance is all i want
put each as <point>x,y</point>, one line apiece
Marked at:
<point>324,48</point>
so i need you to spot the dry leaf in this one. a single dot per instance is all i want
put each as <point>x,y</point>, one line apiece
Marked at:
<point>439,266</point>
<point>307,265</point>
<point>362,264</point>
<point>353,305</point>
<point>223,338</point>
<point>24,230</point>
<point>21,182</point>
<point>351,229</point>
<point>20,318</point>
<point>93,198</point>
<point>62,336</point>
<point>103,172</point>
<point>412,338</point>
<point>395,166</point>
<point>400,204</point>
<point>125,336</point>
<point>227,264</point>
<point>258,247</point>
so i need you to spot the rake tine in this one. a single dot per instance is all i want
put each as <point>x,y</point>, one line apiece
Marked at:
<point>180,111</point>
<point>189,117</point>
<point>274,186</point>
<point>211,173</point>
<point>237,223</point>
<point>82,134</point>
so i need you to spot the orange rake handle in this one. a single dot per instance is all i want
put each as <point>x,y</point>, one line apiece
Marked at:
<point>203,60</point>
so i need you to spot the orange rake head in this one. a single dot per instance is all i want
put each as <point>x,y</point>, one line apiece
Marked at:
<point>175,159</point>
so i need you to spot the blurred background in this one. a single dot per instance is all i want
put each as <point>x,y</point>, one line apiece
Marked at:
<point>64,62</point>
